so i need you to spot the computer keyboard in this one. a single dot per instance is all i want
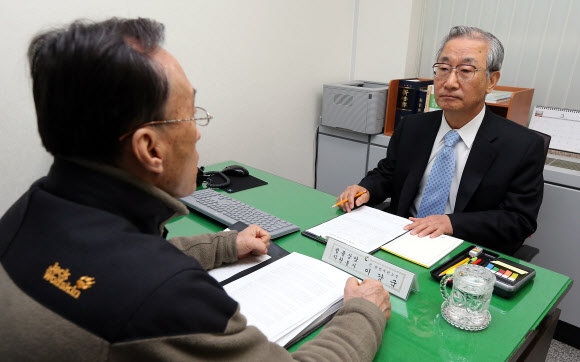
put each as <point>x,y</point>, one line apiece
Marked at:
<point>228,211</point>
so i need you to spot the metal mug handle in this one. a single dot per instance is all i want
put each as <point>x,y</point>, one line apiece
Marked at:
<point>443,286</point>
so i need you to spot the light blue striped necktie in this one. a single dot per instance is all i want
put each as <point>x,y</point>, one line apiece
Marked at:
<point>439,182</point>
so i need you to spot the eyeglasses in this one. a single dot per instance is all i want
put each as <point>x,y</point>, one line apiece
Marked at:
<point>201,118</point>
<point>465,72</point>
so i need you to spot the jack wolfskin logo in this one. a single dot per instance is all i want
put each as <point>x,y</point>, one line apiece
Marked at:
<point>85,283</point>
<point>58,277</point>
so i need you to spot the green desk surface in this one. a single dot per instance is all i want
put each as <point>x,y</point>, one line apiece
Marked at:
<point>416,329</point>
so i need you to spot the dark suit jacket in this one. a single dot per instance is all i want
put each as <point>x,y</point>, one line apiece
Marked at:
<point>501,189</point>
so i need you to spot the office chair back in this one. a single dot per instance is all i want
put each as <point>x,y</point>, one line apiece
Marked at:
<point>547,138</point>
<point>527,252</point>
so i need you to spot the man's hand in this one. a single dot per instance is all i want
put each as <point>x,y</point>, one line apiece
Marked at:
<point>433,225</point>
<point>252,240</point>
<point>349,193</point>
<point>371,290</point>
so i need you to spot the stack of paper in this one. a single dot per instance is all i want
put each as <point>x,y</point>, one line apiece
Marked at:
<point>290,297</point>
<point>497,96</point>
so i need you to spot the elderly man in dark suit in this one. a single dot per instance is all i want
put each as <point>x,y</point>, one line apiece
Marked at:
<point>462,171</point>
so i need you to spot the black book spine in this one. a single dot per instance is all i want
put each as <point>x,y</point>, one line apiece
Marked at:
<point>421,100</point>
<point>410,98</point>
<point>406,98</point>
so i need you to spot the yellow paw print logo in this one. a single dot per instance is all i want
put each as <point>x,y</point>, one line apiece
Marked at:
<point>85,282</point>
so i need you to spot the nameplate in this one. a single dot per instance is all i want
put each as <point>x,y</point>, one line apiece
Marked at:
<point>397,281</point>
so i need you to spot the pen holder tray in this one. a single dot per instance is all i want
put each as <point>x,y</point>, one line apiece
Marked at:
<point>504,286</point>
<point>486,256</point>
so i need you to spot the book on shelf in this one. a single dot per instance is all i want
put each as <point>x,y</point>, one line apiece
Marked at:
<point>497,96</point>
<point>289,298</point>
<point>431,104</point>
<point>422,100</point>
<point>411,97</point>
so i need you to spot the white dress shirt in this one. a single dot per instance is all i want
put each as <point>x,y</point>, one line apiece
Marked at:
<point>462,149</point>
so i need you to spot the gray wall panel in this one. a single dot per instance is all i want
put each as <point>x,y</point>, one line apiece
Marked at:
<point>558,241</point>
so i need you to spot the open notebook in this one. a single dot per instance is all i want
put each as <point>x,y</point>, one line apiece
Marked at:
<point>425,251</point>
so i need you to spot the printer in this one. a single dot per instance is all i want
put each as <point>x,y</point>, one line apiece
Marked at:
<point>357,106</point>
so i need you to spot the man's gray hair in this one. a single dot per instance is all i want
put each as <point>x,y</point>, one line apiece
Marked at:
<point>494,54</point>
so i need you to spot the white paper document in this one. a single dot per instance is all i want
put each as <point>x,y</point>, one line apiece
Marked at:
<point>365,228</point>
<point>283,298</point>
<point>225,271</point>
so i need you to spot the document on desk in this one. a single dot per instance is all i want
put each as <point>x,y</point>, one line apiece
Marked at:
<point>365,228</point>
<point>290,297</point>
<point>425,251</point>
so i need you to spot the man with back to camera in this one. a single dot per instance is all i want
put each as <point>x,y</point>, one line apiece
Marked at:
<point>462,171</point>
<point>85,273</point>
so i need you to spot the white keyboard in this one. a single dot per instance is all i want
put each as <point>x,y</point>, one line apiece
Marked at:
<point>228,211</point>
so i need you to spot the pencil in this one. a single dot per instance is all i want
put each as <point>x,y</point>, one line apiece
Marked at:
<point>454,266</point>
<point>345,200</point>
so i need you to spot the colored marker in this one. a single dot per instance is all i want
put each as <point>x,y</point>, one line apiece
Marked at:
<point>345,200</point>
<point>464,261</point>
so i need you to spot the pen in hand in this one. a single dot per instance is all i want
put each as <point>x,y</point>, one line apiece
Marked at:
<point>345,200</point>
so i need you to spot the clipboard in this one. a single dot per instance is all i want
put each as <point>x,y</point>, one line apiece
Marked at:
<point>275,252</point>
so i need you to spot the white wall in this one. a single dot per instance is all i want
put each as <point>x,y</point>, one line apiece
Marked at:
<point>258,65</point>
<point>387,40</point>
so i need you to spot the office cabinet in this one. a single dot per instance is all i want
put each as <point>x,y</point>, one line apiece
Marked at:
<point>345,157</point>
<point>392,105</point>
<point>517,107</point>
<point>377,150</point>
<point>557,234</point>
<point>342,158</point>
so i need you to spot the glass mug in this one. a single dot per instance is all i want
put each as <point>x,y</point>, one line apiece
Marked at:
<point>467,305</point>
